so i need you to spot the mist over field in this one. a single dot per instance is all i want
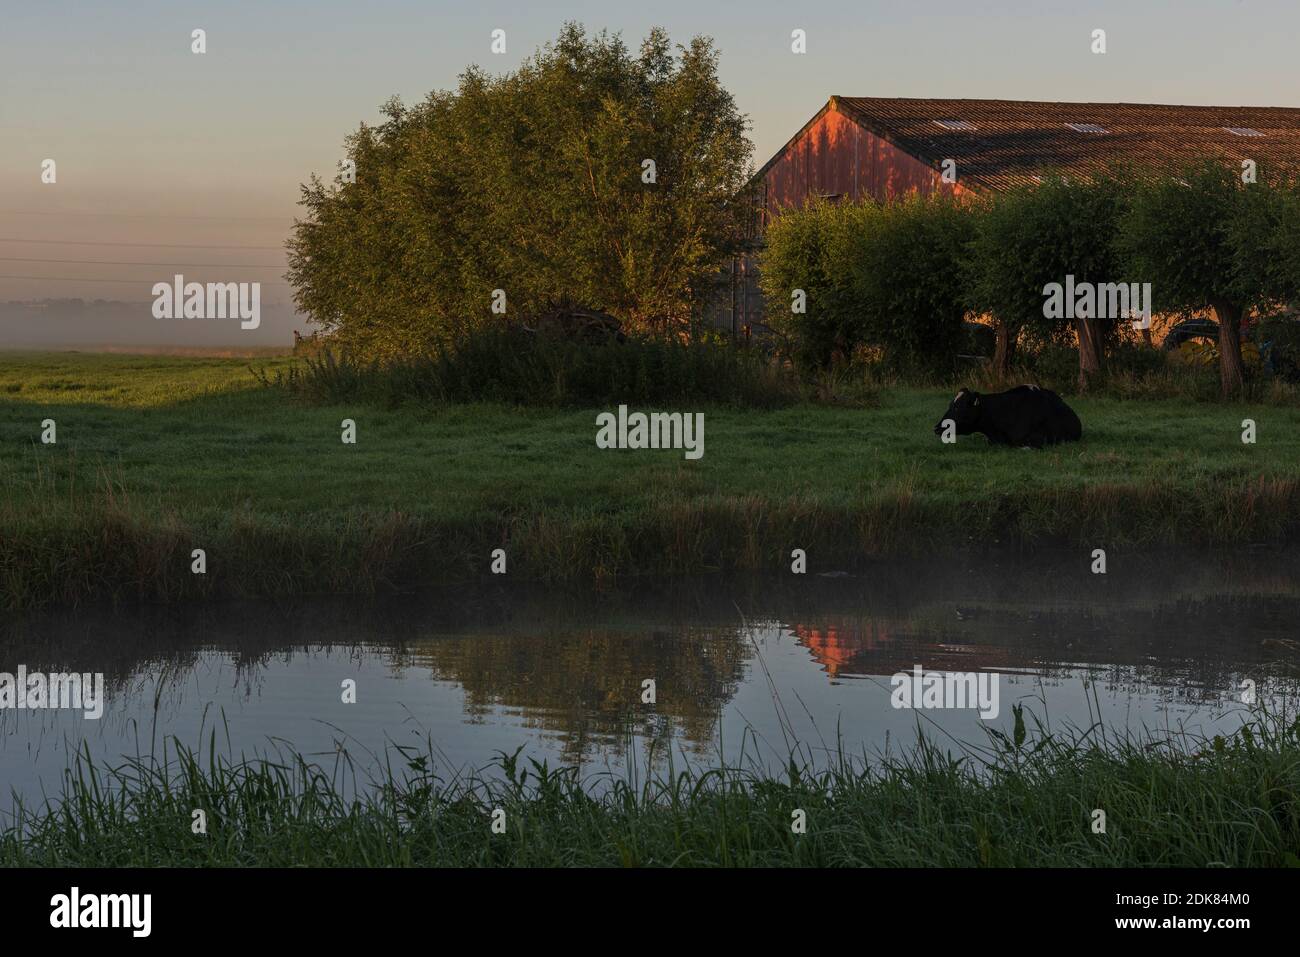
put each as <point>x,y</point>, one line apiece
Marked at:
<point>81,323</point>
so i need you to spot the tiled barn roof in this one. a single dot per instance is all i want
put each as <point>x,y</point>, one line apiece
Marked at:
<point>998,143</point>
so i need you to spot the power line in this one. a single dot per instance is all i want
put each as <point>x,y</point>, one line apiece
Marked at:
<point>86,242</point>
<point>111,262</point>
<point>137,282</point>
<point>87,212</point>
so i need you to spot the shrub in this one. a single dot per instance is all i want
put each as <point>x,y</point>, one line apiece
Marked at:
<point>908,281</point>
<point>887,276</point>
<point>501,363</point>
<point>1136,359</point>
<point>1279,339</point>
<point>809,250</point>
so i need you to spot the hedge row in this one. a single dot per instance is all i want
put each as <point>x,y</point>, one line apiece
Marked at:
<point>900,278</point>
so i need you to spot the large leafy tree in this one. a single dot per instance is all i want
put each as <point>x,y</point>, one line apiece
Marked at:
<point>1206,239</point>
<point>1036,235</point>
<point>535,183</point>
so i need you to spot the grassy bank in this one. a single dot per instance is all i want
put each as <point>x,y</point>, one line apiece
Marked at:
<point>157,456</point>
<point>1026,800</point>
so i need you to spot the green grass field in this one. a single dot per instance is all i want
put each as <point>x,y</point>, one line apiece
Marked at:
<point>159,455</point>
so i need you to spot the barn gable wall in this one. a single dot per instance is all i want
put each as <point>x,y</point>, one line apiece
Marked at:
<point>834,156</point>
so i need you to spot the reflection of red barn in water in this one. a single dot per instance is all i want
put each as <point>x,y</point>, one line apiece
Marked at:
<point>883,647</point>
<point>835,647</point>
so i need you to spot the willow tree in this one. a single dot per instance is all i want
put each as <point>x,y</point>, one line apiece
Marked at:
<point>1203,239</point>
<point>908,281</point>
<point>1037,235</point>
<point>808,282</point>
<point>590,175</point>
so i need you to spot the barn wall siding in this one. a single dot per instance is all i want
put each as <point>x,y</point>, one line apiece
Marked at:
<point>836,157</point>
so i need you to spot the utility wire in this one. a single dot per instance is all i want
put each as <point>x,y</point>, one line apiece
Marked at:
<point>137,282</point>
<point>113,262</point>
<point>86,242</point>
<point>86,212</point>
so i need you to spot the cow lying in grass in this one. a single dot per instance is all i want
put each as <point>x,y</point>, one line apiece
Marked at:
<point>1025,416</point>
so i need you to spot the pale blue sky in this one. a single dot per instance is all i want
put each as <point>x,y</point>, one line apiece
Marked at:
<point>155,144</point>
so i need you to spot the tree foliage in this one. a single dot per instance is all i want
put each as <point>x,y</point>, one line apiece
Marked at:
<point>1039,234</point>
<point>900,276</point>
<point>534,183</point>
<point>808,252</point>
<point>884,276</point>
<point>908,281</point>
<point>1205,239</point>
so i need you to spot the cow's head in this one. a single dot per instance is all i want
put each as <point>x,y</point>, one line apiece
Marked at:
<point>964,410</point>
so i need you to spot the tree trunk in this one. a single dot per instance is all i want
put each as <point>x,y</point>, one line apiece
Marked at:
<point>1232,370</point>
<point>1005,352</point>
<point>1089,333</point>
<point>1146,337</point>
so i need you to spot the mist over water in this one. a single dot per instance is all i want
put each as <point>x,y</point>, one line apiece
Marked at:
<point>744,669</point>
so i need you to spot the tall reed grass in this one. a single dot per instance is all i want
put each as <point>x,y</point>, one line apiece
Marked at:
<point>1023,798</point>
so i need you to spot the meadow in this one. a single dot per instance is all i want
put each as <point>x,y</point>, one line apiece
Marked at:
<point>159,455</point>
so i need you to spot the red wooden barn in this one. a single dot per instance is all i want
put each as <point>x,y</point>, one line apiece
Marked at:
<point>859,148</point>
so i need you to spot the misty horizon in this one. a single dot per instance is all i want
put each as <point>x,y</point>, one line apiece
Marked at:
<point>73,322</point>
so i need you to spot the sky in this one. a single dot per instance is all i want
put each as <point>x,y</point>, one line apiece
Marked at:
<point>157,145</point>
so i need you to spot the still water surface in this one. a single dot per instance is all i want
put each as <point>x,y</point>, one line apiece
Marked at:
<point>759,664</point>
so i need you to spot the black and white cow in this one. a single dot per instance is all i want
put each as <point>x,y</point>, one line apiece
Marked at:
<point>1023,416</point>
